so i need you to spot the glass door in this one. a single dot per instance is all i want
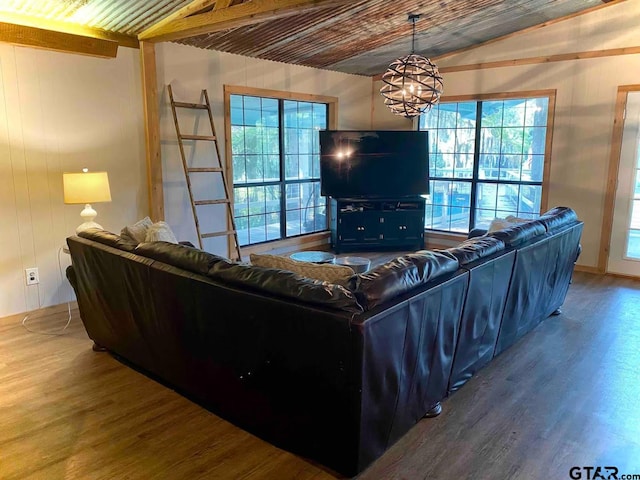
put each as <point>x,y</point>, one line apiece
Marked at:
<point>624,253</point>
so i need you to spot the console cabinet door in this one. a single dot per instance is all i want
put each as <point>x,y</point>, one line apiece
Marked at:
<point>403,226</point>
<point>393,225</point>
<point>358,227</point>
<point>414,227</point>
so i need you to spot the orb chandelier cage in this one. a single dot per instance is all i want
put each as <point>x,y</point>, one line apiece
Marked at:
<point>412,84</point>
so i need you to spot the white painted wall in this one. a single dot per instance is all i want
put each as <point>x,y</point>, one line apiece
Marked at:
<point>61,112</point>
<point>586,94</point>
<point>189,70</point>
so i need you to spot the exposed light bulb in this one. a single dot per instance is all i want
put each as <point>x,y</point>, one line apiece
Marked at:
<point>85,170</point>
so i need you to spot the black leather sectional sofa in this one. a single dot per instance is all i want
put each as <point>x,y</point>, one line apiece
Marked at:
<point>337,373</point>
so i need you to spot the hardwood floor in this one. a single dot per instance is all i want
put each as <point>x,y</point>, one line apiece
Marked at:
<point>568,394</point>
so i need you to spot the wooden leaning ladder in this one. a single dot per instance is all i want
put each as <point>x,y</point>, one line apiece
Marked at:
<point>217,168</point>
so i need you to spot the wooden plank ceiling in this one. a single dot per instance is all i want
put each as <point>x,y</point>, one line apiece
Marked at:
<point>360,37</point>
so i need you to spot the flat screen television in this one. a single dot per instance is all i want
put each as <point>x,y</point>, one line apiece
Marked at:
<point>374,163</point>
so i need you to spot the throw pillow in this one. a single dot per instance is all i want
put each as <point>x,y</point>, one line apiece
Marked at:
<point>508,222</point>
<point>325,272</point>
<point>138,231</point>
<point>160,232</point>
<point>499,224</point>
<point>514,219</point>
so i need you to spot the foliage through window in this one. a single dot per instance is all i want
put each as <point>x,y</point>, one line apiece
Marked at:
<point>276,167</point>
<point>486,160</point>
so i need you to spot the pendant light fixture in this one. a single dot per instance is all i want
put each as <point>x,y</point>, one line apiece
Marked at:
<point>412,84</point>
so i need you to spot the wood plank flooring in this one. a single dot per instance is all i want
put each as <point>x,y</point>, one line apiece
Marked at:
<point>567,394</point>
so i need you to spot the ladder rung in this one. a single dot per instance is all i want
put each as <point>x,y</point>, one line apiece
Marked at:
<point>198,137</point>
<point>204,170</point>
<point>218,234</point>
<point>201,106</point>
<point>211,202</point>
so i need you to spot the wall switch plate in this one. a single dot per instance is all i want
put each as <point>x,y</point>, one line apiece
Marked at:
<point>33,278</point>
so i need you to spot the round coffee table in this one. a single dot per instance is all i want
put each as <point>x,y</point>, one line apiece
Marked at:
<point>313,256</point>
<point>357,264</point>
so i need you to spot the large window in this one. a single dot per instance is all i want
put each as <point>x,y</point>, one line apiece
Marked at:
<point>486,160</point>
<point>276,167</point>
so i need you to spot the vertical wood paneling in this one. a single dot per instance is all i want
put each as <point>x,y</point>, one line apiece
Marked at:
<point>11,295</point>
<point>35,152</point>
<point>17,158</point>
<point>61,112</point>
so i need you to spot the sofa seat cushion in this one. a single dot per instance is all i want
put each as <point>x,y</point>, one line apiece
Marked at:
<point>476,248</point>
<point>558,217</point>
<point>108,238</point>
<point>182,256</point>
<point>285,284</point>
<point>325,272</point>
<point>519,234</point>
<point>399,276</point>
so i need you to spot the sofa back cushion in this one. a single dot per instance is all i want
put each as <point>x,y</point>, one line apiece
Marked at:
<point>187,258</point>
<point>108,238</point>
<point>558,217</point>
<point>519,234</point>
<point>326,272</point>
<point>476,248</point>
<point>285,284</point>
<point>399,276</point>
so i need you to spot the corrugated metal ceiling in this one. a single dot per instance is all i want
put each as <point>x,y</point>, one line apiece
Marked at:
<point>360,37</point>
<point>128,17</point>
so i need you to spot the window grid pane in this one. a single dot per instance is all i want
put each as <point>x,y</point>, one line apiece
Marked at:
<point>511,150</point>
<point>257,160</point>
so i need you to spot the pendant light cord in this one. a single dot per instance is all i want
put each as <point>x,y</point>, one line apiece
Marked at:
<point>413,36</point>
<point>413,17</point>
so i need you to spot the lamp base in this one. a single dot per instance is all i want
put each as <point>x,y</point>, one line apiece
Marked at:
<point>87,225</point>
<point>88,214</point>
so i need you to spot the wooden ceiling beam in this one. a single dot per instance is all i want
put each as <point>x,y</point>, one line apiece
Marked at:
<point>59,41</point>
<point>240,15</point>
<point>68,27</point>
<point>189,9</point>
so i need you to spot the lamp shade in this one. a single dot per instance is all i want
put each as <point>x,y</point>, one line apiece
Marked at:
<point>89,187</point>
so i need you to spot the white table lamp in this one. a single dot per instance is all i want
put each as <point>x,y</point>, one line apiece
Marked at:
<point>87,187</point>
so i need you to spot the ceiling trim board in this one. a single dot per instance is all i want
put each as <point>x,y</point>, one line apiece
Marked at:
<point>59,41</point>
<point>561,57</point>
<point>70,28</point>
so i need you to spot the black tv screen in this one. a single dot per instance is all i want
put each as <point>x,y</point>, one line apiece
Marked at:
<point>374,163</point>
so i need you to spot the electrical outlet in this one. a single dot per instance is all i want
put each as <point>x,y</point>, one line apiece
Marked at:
<point>33,278</point>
